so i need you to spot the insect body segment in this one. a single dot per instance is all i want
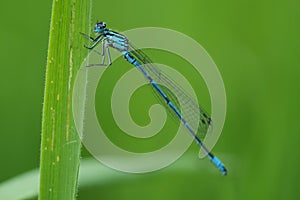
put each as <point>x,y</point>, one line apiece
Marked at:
<point>117,41</point>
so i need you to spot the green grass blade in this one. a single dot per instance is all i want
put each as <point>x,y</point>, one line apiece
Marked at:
<point>23,186</point>
<point>92,173</point>
<point>60,145</point>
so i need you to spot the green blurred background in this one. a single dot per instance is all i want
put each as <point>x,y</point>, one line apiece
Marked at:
<point>256,47</point>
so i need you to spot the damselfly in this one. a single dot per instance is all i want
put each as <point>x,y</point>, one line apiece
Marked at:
<point>140,60</point>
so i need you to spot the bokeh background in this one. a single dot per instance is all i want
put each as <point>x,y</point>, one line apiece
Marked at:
<point>256,47</point>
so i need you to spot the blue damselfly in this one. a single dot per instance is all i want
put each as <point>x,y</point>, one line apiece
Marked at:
<point>140,60</point>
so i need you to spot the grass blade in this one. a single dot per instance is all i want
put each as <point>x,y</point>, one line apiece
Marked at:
<point>92,174</point>
<point>60,145</point>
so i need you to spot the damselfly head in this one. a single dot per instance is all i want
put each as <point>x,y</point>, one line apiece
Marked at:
<point>99,27</point>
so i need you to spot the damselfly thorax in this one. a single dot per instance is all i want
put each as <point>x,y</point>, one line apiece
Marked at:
<point>117,41</point>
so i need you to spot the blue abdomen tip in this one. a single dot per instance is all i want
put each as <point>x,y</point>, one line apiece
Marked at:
<point>219,165</point>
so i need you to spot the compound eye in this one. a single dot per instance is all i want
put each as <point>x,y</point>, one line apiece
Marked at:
<point>102,24</point>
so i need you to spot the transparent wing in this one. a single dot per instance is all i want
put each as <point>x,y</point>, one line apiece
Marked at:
<point>196,116</point>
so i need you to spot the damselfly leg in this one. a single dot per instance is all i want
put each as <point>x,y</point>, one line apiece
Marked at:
<point>105,50</point>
